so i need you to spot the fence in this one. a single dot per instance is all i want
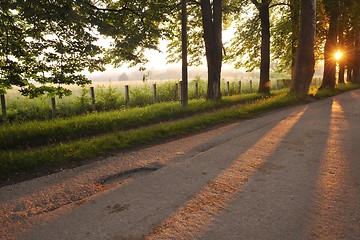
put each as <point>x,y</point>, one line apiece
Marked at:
<point>228,89</point>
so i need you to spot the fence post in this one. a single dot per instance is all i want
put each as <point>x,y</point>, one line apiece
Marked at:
<point>53,107</point>
<point>228,88</point>
<point>127,95</point>
<point>251,86</point>
<point>277,84</point>
<point>239,87</point>
<point>3,107</point>
<point>154,92</point>
<point>196,90</point>
<point>92,96</point>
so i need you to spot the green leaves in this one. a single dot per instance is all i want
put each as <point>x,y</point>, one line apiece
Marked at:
<point>46,42</point>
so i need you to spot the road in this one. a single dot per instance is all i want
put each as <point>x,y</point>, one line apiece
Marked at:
<point>290,174</point>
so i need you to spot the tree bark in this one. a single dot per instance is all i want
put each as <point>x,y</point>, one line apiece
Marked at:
<point>184,81</point>
<point>329,76</point>
<point>305,59</point>
<point>295,24</point>
<point>350,53</point>
<point>212,24</point>
<point>264,85</point>
<point>341,76</point>
<point>356,62</point>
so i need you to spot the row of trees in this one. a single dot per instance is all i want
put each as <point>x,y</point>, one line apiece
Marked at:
<point>51,42</point>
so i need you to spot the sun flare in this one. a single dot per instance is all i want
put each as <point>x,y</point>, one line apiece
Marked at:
<point>338,55</point>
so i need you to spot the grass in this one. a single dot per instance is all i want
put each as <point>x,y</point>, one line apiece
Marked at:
<point>40,133</point>
<point>37,145</point>
<point>107,98</point>
<point>13,161</point>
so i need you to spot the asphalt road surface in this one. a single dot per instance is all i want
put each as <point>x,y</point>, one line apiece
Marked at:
<point>290,174</point>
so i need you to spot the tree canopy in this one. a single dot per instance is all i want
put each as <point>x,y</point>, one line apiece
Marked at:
<point>46,44</point>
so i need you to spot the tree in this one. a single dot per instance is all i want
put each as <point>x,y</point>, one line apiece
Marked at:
<point>14,57</point>
<point>184,55</point>
<point>251,46</point>
<point>212,25</point>
<point>205,25</point>
<point>353,41</point>
<point>263,8</point>
<point>48,43</point>
<point>305,59</point>
<point>132,26</point>
<point>332,11</point>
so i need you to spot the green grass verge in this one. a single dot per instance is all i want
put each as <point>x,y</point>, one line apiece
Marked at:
<point>25,161</point>
<point>40,133</point>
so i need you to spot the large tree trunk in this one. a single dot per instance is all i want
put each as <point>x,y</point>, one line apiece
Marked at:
<point>264,85</point>
<point>295,24</point>
<point>341,76</point>
<point>329,76</point>
<point>349,54</point>
<point>305,59</point>
<point>356,62</point>
<point>212,24</point>
<point>184,45</point>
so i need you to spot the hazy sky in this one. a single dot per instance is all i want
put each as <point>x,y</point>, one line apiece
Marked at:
<point>157,60</point>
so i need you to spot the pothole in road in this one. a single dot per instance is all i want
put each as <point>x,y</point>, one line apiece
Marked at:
<point>131,173</point>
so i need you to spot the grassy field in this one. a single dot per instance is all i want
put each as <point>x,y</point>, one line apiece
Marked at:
<point>109,96</point>
<point>27,147</point>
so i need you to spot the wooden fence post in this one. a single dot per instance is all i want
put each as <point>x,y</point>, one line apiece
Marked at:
<point>239,87</point>
<point>154,92</point>
<point>53,107</point>
<point>251,86</point>
<point>228,88</point>
<point>3,107</point>
<point>92,96</point>
<point>127,95</point>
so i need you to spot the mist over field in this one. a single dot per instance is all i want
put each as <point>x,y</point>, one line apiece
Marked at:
<point>173,72</point>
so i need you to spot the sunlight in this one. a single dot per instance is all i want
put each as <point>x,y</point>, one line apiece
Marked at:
<point>194,217</point>
<point>338,55</point>
<point>331,184</point>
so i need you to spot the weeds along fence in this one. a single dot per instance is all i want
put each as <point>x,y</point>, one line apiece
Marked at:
<point>101,98</point>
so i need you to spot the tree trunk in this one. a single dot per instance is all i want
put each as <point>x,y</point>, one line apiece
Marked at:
<point>264,85</point>
<point>350,53</point>
<point>212,24</point>
<point>356,62</point>
<point>184,82</point>
<point>295,24</point>
<point>341,76</point>
<point>305,59</point>
<point>329,76</point>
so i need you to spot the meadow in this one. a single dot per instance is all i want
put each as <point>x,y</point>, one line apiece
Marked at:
<point>111,96</point>
<point>33,143</point>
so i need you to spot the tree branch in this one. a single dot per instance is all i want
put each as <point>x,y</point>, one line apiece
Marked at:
<point>256,3</point>
<point>280,4</point>
<point>109,9</point>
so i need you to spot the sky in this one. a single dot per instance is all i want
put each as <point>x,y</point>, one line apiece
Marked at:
<point>157,64</point>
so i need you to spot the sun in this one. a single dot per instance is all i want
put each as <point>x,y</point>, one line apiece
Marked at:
<point>338,55</point>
